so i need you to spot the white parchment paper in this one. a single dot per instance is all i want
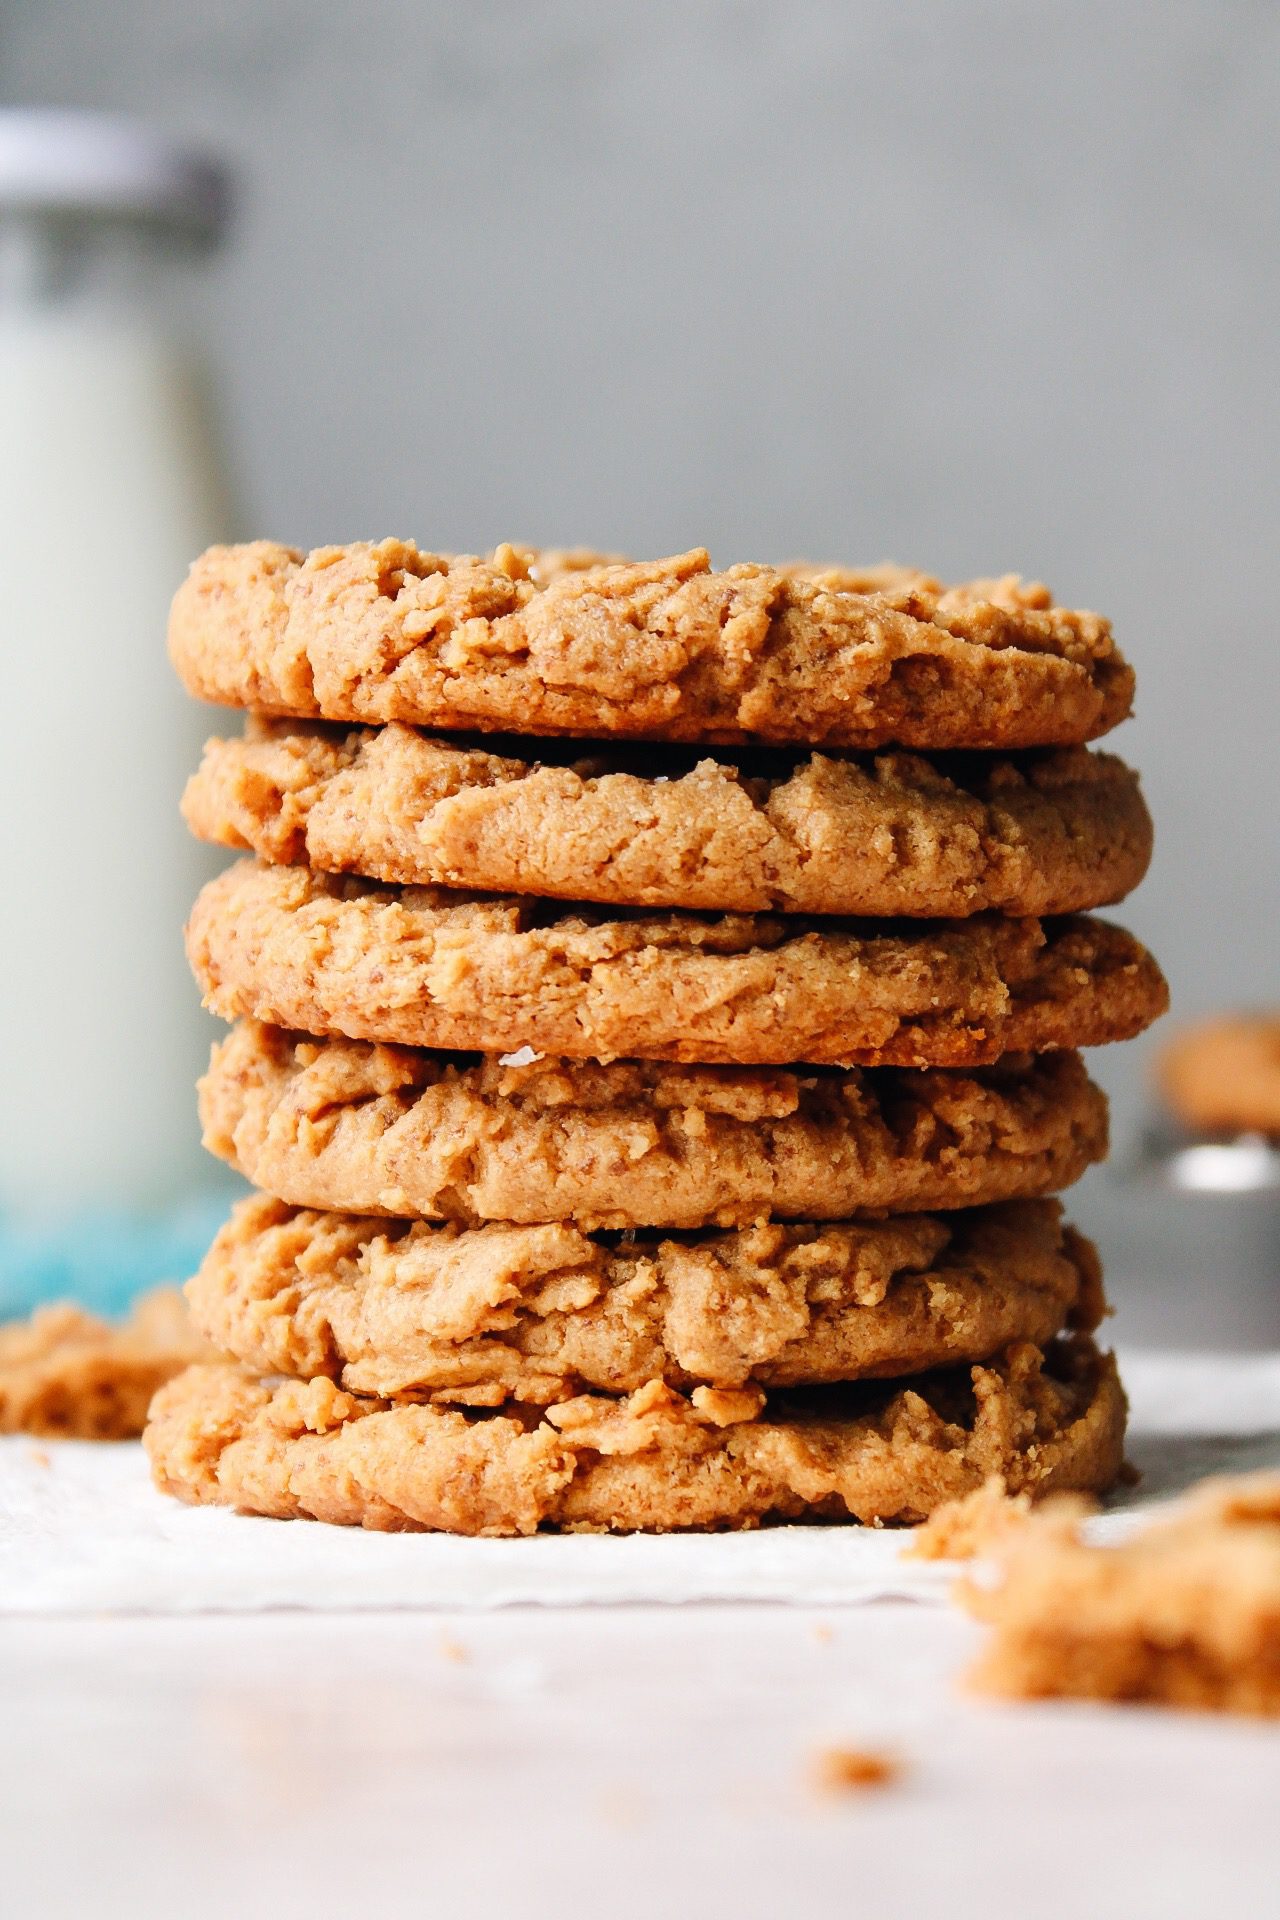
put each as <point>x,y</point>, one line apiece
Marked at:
<point>83,1531</point>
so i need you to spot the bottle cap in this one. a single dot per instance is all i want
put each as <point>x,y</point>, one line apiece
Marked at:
<point>98,166</point>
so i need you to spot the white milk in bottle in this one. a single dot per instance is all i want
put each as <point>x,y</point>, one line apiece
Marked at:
<point>109,486</point>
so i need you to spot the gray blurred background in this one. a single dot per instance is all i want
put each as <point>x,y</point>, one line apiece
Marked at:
<point>977,287</point>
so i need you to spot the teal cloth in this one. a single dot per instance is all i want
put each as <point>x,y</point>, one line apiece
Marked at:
<point>102,1258</point>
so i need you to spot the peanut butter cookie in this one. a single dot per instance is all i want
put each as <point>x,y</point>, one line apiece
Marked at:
<point>66,1374</point>
<point>1223,1076</point>
<point>372,1129</point>
<point>483,1315</point>
<point>1046,833</point>
<point>426,967</point>
<point>656,1460</point>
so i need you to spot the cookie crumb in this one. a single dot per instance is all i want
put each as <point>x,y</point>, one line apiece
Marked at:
<point>453,1651</point>
<point>823,1633</point>
<point>968,1528</point>
<point>839,1770</point>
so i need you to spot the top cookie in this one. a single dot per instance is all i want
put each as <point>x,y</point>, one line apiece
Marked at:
<point>667,649</point>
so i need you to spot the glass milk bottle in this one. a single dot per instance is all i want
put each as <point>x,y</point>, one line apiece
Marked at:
<point>109,485</point>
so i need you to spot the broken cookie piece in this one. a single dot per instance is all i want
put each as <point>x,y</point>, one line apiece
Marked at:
<point>65,1373</point>
<point>1184,1614</point>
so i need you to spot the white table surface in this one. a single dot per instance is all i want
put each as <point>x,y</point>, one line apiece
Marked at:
<point>611,1761</point>
<point>567,1760</point>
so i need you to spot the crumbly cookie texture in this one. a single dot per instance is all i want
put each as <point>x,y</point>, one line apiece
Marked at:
<point>895,834</point>
<point>1184,1614</point>
<point>424,967</point>
<point>970,1528</point>
<point>666,649</point>
<point>65,1373</point>
<point>363,1128</point>
<point>1222,1076</point>
<point>655,1460</point>
<point>483,1315</point>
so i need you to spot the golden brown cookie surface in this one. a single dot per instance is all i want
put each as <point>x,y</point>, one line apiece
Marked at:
<point>654,1460</point>
<point>484,1315</point>
<point>363,1128</point>
<point>1048,833</point>
<point>667,649</point>
<point>423,967</point>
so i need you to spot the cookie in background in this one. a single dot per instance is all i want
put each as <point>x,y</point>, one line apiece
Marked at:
<point>1220,1076</point>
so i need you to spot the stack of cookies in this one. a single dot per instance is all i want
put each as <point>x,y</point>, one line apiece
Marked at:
<point>657,994</point>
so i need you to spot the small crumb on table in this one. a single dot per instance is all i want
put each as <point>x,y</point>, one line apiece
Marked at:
<point>851,1769</point>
